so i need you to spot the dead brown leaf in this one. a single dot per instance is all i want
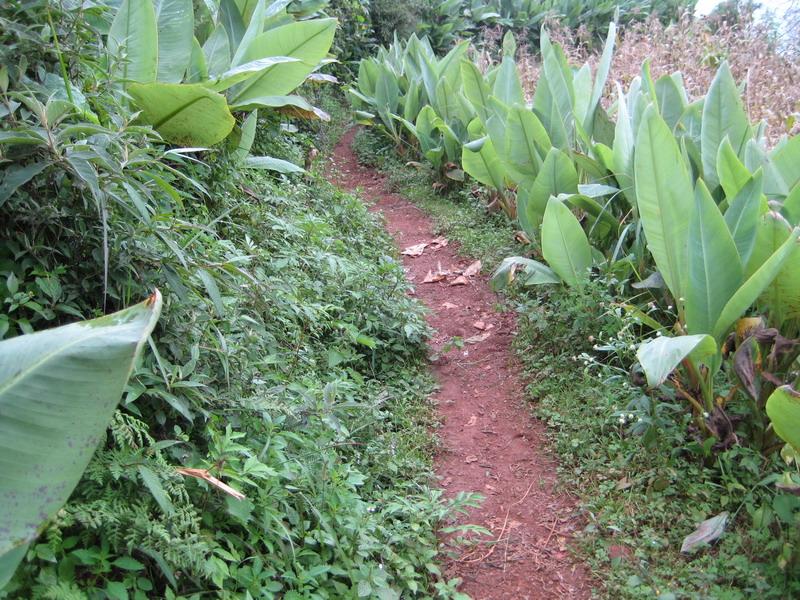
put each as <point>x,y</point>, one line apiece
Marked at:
<point>432,277</point>
<point>473,269</point>
<point>460,280</point>
<point>477,339</point>
<point>449,305</point>
<point>206,476</point>
<point>415,250</point>
<point>439,242</point>
<point>472,420</point>
<point>471,459</point>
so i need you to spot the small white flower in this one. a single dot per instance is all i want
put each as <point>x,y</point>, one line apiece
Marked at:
<point>658,334</point>
<point>681,300</point>
<point>705,415</point>
<point>630,416</point>
<point>669,307</point>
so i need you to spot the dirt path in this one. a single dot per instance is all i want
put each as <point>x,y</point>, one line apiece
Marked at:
<point>490,443</point>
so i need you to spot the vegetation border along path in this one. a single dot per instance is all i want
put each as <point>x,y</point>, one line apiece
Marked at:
<point>490,442</point>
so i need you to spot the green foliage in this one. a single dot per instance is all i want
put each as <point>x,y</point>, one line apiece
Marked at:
<point>287,368</point>
<point>58,390</point>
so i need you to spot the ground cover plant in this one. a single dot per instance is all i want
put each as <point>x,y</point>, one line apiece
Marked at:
<point>681,207</point>
<point>273,440</point>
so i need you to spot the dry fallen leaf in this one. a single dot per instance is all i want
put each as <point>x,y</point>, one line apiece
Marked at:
<point>460,280</point>
<point>432,277</point>
<point>479,325</point>
<point>438,242</point>
<point>206,476</point>
<point>471,459</point>
<point>521,237</point>
<point>472,420</point>
<point>476,339</point>
<point>415,250</point>
<point>449,305</point>
<point>473,269</point>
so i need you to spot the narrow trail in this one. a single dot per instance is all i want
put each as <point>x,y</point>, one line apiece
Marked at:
<point>490,442</point>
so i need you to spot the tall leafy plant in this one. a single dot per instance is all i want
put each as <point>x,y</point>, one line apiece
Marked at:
<point>58,392</point>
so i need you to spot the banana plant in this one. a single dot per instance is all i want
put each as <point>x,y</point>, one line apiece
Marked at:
<point>694,246</point>
<point>58,391</point>
<point>187,92</point>
<point>565,248</point>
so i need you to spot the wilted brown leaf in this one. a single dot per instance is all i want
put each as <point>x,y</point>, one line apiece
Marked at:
<point>473,269</point>
<point>415,250</point>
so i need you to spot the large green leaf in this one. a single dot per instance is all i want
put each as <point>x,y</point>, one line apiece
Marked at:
<point>564,244</point>
<point>58,391</point>
<point>475,89</point>
<point>756,284</point>
<point>781,298</point>
<point>671,101</point>
<point>603,68</point>
<point>230,18</point>
<point>184,114</point>
<point>250,69</point>
<point>723,116</point>
<point>731,172</point>
<point>308,41</point>
<point>507,87</point>
<point>660,356</point>
<point>484,165</point>
<point>255,26</point>
<point>665,198</point>
<point>624,141</point>
<point>742,215</point>
<point>269,163</point>
<point>557,176</point>
<point>217,51</point>
<point>527,143</point>
<point>783,409</point>
<point>133,41</point>
<point>175,20</point>
<point>524,270</point>
<point>559,81</point>
<point>715,269</point>
<point>783,173</point>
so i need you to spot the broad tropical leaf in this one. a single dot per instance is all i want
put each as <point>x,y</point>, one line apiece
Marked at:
<point>564,244</point>
<point>58,391</point>
<point>557,176</point>
<point>133,41</point>
<point>755,285</point>
<point>742,215</point>
<point>715,269</point>
<point>783,409</point>
<point>308,41</point>
<point>217,51</point>
<point>723,116</point>
<point>660,356</point>
<point>524,270</point>
<point>665,198</point>
<point>175,19</point>
<point>268,163</point>
<point>184,114</point>
<point>527,143</point>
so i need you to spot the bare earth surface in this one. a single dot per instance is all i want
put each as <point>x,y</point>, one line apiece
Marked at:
<point>490,442</point>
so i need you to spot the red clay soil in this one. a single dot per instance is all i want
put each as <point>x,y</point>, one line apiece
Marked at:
<point>490,443</point>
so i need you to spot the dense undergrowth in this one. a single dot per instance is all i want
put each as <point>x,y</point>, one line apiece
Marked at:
<point>644,477</point>
<point>288,362</point>
<point>299,381</point>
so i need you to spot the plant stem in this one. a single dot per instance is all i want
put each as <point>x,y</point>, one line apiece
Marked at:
<point>67,85</point>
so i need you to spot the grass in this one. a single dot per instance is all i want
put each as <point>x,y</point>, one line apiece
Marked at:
<point>643,480</point>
